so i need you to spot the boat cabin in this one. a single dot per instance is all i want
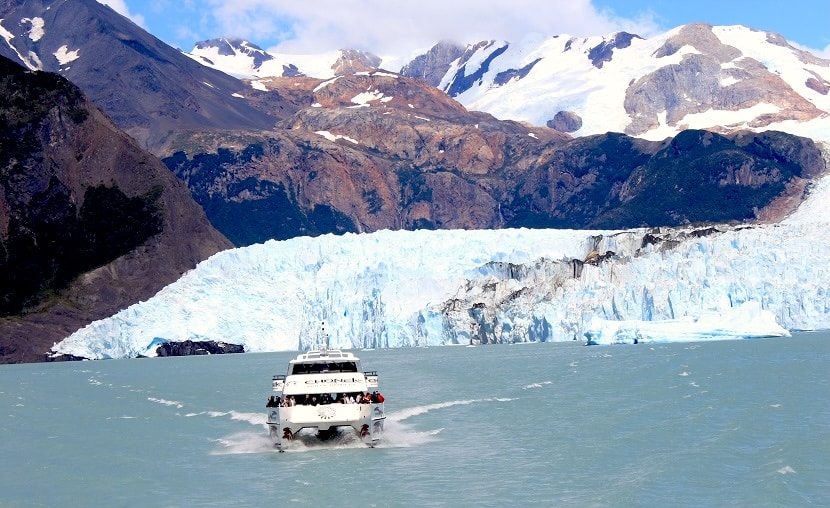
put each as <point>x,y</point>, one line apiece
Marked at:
<point>319,362</point>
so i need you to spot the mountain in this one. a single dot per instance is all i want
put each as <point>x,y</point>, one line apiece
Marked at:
<point>698,76</point>
<point>404,156</point>
<point>146,87</point>
<point>721,78</point>
<point>375,151</point>
<point>89,222</point>
<point>245,59</point>
<point>428,288</point>
<point>469,170</point>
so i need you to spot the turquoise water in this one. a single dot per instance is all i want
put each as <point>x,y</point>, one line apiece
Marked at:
<point>742,423</point>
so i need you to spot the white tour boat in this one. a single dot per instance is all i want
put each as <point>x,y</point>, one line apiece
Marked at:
<point>324,391</point>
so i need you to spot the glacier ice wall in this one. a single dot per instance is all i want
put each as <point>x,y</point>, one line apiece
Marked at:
<point>401,288</point>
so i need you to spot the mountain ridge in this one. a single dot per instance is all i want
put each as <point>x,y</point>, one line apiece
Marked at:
<point>755,80</point>
<point>140,82</point>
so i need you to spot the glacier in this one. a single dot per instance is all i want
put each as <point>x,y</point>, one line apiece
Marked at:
<point>428,288</point>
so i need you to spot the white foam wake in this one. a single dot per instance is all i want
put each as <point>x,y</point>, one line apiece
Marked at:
<point>404,414</point>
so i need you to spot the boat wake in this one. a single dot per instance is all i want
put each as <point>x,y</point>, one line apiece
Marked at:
<point>397,434</point>
<point>243,442</point>
<point>405,414</point>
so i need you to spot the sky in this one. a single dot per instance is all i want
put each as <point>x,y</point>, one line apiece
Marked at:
<point>404,29</point>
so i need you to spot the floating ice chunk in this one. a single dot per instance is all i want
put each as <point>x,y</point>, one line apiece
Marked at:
<point>747,321</point>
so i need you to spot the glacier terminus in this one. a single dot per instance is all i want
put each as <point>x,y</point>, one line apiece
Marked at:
<point>429,288</point>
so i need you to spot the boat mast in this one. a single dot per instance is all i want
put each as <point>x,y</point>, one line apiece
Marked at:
<point>323,338</point>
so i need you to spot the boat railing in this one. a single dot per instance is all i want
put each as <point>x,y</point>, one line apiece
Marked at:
<point>278,382</point>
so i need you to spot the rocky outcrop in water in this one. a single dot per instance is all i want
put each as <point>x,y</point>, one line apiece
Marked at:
<point>200,347</point>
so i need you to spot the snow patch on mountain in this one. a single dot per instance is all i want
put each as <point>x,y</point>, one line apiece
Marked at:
<point>245,60</point>
<point>37,31</point>
<point>364,98</point>
<point>65,56</point>
<point>334,137</point>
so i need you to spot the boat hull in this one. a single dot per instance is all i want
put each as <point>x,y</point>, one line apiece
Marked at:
<point>366,420</point>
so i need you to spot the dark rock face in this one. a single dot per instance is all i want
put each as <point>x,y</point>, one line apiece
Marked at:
<point>431,66</point>
<point>230,47</point>
<point>618,182</point>
<point>504,77</point>
<point>565,121</point>
<point>291,71</point>
<point>63,358</point>
<point>822,87</point>
<point>604,51</point>
<point>89,222</point>
<point>201,347</point>
<point>462,81</point>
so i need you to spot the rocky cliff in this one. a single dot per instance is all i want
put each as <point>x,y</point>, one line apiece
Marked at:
<point>381,151</point>
<point>89,222</point>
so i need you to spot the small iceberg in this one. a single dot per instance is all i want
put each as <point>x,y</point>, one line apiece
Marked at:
<point>746,321</point>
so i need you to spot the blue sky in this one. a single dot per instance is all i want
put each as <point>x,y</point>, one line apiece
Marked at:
<point>388,27</point>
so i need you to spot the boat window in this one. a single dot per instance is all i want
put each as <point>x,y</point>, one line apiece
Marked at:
<point>320,367</point>
<point>300,368</point>
<point>349,367</point>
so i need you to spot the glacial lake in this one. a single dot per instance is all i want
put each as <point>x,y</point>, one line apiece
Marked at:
<point>741,423</point>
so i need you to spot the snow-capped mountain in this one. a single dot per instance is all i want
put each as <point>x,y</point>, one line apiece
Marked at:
<point>245,59</point>
<point>417,288</point>
<point>695,76</point>
<point>721,78</point>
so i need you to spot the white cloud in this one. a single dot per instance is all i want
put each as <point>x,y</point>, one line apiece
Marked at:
<point>821,53</point>
<point>396,28</point>
<point>120,7</point>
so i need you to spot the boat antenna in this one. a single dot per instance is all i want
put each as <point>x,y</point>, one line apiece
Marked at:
<point>324,338</point>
